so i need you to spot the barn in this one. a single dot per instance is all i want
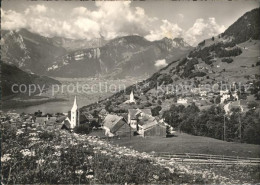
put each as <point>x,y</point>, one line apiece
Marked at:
<point>116,126</point>
<point>135,114</point>
<point>154,130</point>
<point>148,126</point>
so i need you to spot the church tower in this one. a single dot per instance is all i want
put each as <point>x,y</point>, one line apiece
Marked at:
<point>132,99</point>
<point>73,119</point>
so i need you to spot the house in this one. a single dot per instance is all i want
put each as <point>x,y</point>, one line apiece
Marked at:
<point>242,104</point>
<point>44,120</point>
<point>148,126</point>
<point>135,114</point>
<point>116,126</point>
<point>224,97</point>
<point>195,90</point>
<point>102,114</point>
<point>222,92</point>
<point>182,101</point>
<point>203,93</point>
<point>66,124</point>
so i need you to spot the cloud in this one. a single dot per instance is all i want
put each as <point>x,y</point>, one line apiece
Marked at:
<point>109,19</point>
<point>37,9</point>
<point>203,29</point>
<point>160,63</point>
<point>12,20</point>
<point>167,29</point>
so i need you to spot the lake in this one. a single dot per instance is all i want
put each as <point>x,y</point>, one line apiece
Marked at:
<point>95,90</point>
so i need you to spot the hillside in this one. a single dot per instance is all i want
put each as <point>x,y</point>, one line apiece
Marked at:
<point>120,57</point>
<point>28,51</point>
<point>216,60</point>
<point>11,75</point>
<point>246,27</point>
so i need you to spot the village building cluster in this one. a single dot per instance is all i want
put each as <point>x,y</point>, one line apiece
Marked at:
<point>137,121</point>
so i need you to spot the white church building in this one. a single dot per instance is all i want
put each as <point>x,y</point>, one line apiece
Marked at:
<point>74,115</point>
<point>131,98</point>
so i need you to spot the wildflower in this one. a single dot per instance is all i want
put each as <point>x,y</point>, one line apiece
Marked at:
<point>40,161</point>
<point>79,172</point>
<point>27,152</point>
<point>90,157</point>
<point>57,147</point>
<point>5,158</point>
<point>19,132</point>
<point>103,152</point>
<point>58,154</point>
<point>156,177</point>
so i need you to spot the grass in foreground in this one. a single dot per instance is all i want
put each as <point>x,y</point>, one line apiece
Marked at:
<point>185,143</point>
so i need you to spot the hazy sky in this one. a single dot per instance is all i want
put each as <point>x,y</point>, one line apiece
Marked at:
<point>154,20</point>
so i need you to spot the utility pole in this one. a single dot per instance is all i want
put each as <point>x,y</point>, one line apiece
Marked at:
<point>240,127</point>
<point>224,134</point>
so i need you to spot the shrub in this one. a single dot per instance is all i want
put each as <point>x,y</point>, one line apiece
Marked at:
<point>227,60</point>
<point>47,136</point>
<point>82,129</point>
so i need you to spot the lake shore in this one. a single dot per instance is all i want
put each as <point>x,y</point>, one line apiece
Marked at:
<point>10,104</point>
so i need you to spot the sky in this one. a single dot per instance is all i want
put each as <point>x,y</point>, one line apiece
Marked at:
<point>154,20</point>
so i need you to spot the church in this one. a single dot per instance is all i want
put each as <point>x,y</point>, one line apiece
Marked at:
<point>73,121</point>
<point>131,98</point>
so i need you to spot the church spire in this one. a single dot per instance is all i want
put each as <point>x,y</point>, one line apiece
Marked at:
<point>75,106</point>
<point>74,115</point>
<point>132,99</point>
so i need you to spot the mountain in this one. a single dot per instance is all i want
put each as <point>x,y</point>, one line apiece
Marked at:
<point>11,75</point>
<point>217,60</point>
<point>77,44</point>
<point>245,27</point>
<point>29,51</point>
<point>62,57</point>
<point>120,57</point>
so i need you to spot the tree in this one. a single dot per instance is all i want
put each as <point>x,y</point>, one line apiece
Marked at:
<point>156,111</point>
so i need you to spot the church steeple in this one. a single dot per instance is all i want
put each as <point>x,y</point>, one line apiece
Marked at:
<point>75,106</point>
<point>132,99</point>
<point>74,113</point>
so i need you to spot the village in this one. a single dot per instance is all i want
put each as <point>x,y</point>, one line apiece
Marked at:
<point>136,122</point>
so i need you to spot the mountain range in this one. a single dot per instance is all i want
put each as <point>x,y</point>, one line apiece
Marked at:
<point>61,57</point>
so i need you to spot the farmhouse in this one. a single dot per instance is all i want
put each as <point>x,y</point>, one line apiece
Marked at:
<point>116,126</point>
<point>182,101</point>
<point>149,126</point>
<point>224,97</point>
<point>135,114</point>
<point>44,120</point>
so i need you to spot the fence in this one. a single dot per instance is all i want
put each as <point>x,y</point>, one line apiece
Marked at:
<point>207,159</point>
